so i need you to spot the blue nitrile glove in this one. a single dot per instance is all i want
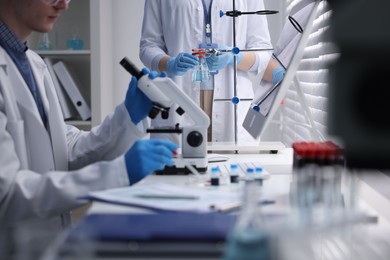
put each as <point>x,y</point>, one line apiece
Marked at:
<point>180,64</point>
<point>218,62</point>
<point>137,103</point>
<point>147,156</point>
<point>278,74</point>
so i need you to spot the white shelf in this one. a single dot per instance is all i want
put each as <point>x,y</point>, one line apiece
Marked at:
<point>82,125</point>
<point>93,64</point>
<point>78,122</point>
<point>64,52</point>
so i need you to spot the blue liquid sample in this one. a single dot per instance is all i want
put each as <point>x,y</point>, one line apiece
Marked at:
<point>45,46</point>
<point>248,244</point>
<point>75,44</point>
<point>200,76</point>
<point>44,42</point>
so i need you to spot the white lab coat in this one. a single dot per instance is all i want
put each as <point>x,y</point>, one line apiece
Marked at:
<point>43,172</point>
<point>172,26</point>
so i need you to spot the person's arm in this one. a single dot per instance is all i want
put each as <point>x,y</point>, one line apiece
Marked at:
<point>257,37</point>
<point>162,65</point>
<point>272,64</point>
<point>178,65</point>
<point>248,60</point>
<point>152,43</point>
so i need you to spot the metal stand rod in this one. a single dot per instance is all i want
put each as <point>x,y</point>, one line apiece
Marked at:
<point>234,14</point>
<point>235,76</point>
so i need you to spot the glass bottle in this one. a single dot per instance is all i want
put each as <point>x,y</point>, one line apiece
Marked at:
<point>248,239</point>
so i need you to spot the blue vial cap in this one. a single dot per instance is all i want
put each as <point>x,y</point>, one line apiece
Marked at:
<point>256,108</point>
<point>235,50</point>
<point>235,100</point>
<point>215,169</point>
<point>233,166</point>
<point>259,169</point>
<point>249,170</point>
<point>221,13</point>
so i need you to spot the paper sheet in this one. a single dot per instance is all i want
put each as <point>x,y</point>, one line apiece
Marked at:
<point>207,200</point>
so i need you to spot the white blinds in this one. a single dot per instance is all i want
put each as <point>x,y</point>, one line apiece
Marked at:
<point>304,113</point>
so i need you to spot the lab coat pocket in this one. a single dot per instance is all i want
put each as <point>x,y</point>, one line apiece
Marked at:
<point>16,130</point>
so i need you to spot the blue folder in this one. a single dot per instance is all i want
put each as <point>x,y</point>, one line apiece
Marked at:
<point>154,227</point>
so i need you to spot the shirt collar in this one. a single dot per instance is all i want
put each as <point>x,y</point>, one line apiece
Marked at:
<point>9,39</point>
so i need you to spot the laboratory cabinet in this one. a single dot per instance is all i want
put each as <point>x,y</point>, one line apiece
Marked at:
<point>80,23</point>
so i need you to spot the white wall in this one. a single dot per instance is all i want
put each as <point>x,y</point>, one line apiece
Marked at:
<point>127,24</point>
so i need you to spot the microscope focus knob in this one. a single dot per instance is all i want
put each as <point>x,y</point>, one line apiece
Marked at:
<point>194,139</point>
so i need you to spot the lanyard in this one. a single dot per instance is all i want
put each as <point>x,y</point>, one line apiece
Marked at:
<point>207,17</point>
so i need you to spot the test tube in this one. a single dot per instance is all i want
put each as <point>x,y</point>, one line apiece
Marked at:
<point>250,174</point>
<point>234,176</point>
<point>259,175</point>
<point>214,176</point>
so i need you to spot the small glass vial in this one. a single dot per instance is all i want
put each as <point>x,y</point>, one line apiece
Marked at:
<point>259,175</point>
<point>250,174</point>
<point>234,176</point>
<point>214,176</point>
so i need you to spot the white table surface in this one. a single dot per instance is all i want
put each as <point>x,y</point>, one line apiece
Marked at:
<point>372,200</point>
<point>278,165</point>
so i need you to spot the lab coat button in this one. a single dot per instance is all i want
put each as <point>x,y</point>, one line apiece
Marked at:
<point>199,8</point>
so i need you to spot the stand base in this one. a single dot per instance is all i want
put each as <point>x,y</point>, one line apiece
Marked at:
<point>272,147</point>
<point>180,168</point>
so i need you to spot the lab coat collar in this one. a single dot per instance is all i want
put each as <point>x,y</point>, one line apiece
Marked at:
<point>38,67</point>
<point>22,94</point>
<point>2,58</point>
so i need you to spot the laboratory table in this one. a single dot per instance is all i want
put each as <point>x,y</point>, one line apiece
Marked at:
<point>280,166</point>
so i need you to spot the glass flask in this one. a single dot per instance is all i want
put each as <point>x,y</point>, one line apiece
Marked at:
<point>44,42</point>
<point>201,71</point>
<point>248,239</point>
<point>75,42</point>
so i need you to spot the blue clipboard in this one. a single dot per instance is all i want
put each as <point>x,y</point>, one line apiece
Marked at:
<point>154,227</point>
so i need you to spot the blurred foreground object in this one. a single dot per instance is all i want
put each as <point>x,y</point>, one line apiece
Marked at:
<point>358,110</point>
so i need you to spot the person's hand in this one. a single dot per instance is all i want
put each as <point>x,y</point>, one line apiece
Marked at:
<point>278,74</point>
<point>179,65</point>
<point>147,156</point>
<point>137,103</point>
<point>218,62</point>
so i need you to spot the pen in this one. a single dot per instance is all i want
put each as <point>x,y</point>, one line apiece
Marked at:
<point>156,196</point>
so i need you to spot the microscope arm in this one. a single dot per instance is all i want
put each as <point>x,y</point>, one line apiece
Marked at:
<point>165,91</point>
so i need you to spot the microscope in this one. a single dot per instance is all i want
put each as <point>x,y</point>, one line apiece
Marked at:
<point>164,93</point>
